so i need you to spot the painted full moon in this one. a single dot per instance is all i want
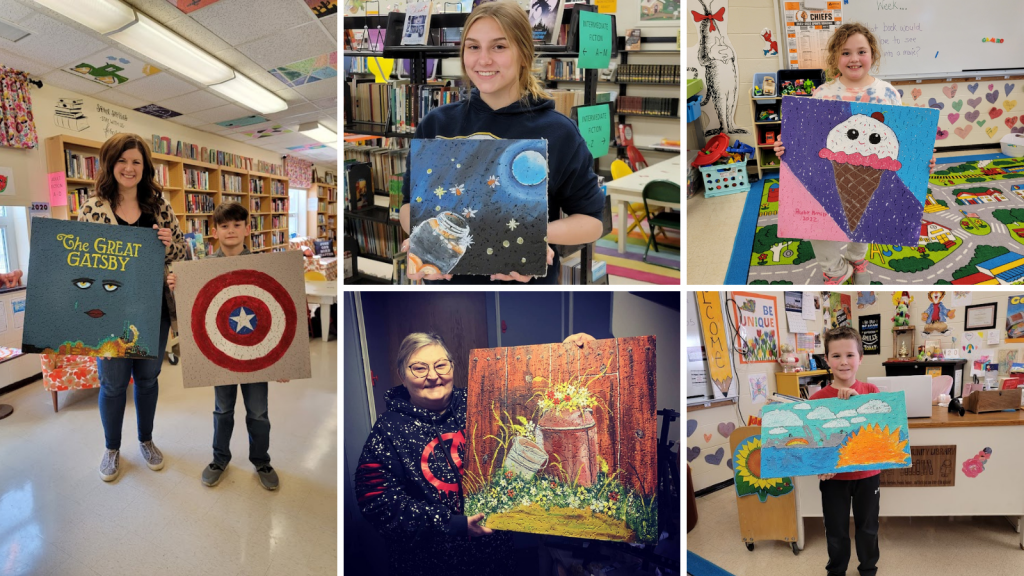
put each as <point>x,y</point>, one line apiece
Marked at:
<point>529,168</point>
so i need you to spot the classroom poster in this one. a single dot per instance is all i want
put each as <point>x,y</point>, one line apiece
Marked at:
<point>865,432</point>
<point>858,172</point>
<point>871,333</point>
<point>561,440</point>
<point>808,32</point>
<point>757,334</point>
<point>839,310</point>
<point>242,319</point>
<point>111,67</point>
<point>758,387</point>
<point>710,53</point>
<point>1015,320</point>
<point>715,343</point>
<point>99,293</point>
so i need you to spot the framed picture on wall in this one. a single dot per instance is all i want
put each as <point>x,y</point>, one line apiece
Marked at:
<point>981,316</point>
<point>757,327</point>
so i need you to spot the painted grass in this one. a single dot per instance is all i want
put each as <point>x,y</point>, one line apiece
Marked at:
<point>564,521</point>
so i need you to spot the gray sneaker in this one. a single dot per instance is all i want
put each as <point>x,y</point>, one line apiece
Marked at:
<point>268,477</point>
<point>212,474</point>
<point>152,455</point>
<point>110,467</point>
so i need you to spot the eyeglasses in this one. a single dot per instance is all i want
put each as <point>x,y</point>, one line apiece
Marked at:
<point>441,368</point>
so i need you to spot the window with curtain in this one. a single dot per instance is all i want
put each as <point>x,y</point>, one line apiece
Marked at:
<point>8,244</point>
<point>17,128</point>
<point>297,211</point>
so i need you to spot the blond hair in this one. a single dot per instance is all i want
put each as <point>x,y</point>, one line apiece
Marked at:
<point>512,21</point>
<point>838,40</point>
<point>414,342</point>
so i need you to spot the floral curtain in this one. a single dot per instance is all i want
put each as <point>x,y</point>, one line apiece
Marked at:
<point>300,172</point>
<point>17,127</point>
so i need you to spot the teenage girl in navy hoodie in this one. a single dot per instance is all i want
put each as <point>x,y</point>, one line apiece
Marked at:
<point>507,102</point>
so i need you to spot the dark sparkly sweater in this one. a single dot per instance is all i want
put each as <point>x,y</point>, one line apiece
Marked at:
<point>411,493</point>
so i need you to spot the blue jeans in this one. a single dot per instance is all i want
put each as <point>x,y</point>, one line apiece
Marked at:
<point>257,422</point>
<point>114,375</point>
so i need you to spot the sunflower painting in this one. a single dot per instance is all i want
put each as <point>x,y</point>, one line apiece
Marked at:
<point>746,464</point>
<point>866,432</point>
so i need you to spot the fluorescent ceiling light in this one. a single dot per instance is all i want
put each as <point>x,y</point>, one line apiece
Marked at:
<point>248,93</point>
<point>317,132</point>
<point>103,16</point>
<point>149,38</point>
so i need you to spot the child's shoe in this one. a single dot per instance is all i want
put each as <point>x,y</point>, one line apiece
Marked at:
<point>268,477</point>
<point>212,474</point>
<point>836,280</point>
<point>110,466</point>
<point>861,276</point>
<point>152,455</point>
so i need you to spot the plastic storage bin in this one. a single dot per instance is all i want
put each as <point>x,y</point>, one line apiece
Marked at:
<point>1012,145</point>
<point>723,179</point>
<point>693,108</point>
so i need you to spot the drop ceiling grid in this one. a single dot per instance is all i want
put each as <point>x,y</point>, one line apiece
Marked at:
<point>52,42</point>
<point>193,102</point>
<point>242,21</point>
<point>288,46</point>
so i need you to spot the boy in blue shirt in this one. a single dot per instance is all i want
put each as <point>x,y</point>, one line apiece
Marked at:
<point>231,227</point>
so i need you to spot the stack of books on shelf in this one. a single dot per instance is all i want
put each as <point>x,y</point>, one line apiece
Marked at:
<point>259,241</point>
<point>277,222</point>
<point>255,185</point>
<point>654,73</point>
<point>162,145</point>
<point>199,225</point>
<point>197,179</point>
<point>226,198</point>
<point>277,188</point>
<point>397,106</point>
<point>231,183</point>
<point>199,204</point>
<point>383,161</point>
<point>375,238</point>
<point>279,205</point>
<point>161,174</point>
<point>644,106</point>
<point>76,198</point>
<point>254,205</point>
<point>269,168</point>
<point>567,69</point>
<point>81,165</point>
<point>277,238</point>
<point>256,223</point>
<point>395,196</point>
<point>570,270</point>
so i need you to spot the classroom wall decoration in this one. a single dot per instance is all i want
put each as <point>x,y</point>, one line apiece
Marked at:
<point>976,464</point>
<point>157,111</point>
<point>714,62</point>
<point>478,206</point>
<point>839,310</point>
<point>758,387</point>
<point>112,67</point>
<point>188,6</point>
<point>562,440</point>
<point>323,7</point>
<point>858,172</point>
<point>243,121</point>
<point>99,293</point>
<point>307,71</point>
<point>242,319</point>
<point>871,333</point>
<point>865,432</point>
<point>267,132</point>
<point>6,180</point>
<point>17,110</point>
<point>1015,320</point>
<point>771,44</point>
<point>757,327</point>
<point>659,10</point>
<point>68,114</point>
<point>936,314</point>
<point>971,112</point>
<point>715,343</point>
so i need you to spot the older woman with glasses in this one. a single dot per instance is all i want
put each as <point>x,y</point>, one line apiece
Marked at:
<point>409,478</point>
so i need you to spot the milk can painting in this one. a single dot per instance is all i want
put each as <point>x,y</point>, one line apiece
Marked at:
<point>561,440</point>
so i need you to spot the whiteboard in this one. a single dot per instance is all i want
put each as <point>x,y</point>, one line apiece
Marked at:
<point>942,38</point>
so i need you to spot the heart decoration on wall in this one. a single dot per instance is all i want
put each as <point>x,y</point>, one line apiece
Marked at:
<point>1009,88</point>
<point>953,117</point>
<point>994,113</point>
<point>957,105</point>
<point>972,115</point>
<point>981,123</point>
<point>949,91</point>
<point>992,97</point>
<point>729,463</point>
<point>916,93</point>
<point>900,90</point>
<point>726,428</point>
<point>1017,130</point>
<point>933,103</point>
<point>973,102</point>
<point>991,131</point>
<point>707,438</point>
<point>691,427</point>
<point>941,134</point>
<point>963,131</point>
<point>990,87</point>
<point>716,458</point>
<point>1009,104</point>
<point>972,87</point>
<point>692,453</point>
<point>1010,121</point>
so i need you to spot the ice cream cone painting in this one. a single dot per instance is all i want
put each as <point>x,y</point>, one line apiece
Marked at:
<point>854,171</point>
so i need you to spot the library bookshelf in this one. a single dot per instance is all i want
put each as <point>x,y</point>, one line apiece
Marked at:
<point>193,189</point>
<point>324,220</point>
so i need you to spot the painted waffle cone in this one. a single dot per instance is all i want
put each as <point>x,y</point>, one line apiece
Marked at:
<point>856,184</point>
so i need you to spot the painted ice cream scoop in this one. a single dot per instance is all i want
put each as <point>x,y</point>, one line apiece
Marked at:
<point>437,245</point>
<point>861,148</point>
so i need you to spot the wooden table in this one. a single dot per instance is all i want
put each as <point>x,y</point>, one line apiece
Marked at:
<point>630,189</point>
<point>993,492</point>
<point>324,294</point>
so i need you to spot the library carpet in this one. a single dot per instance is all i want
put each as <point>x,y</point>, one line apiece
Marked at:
<point>662,267</point>
<point>972,232</point>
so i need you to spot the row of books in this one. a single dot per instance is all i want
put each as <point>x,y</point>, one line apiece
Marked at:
<point>231,183</point>
<point>76,199</point>
<point>358,185</point>
<point>383,163</point>
<point>259,241</point>
<point>278,188</point>
<point>197,246</point>
<point>321,220</point>
<point>199,203</point>
<point>199,225</point>
<point>197,179</point>
<point>231,198</point>
<point>568,69</point>
<point>395,196</point>
<point>646,106</point>
<point>270,168</point>
<point>189,151</point>
<point>321,207</point>
<point>255,205</point>
<point>278,204</point>
<point>657,73</point>
<point>398,106</point>
<point>162,174</point>
<point>81,165</point>
<point>263,222</point>
<point>255,185</point>
<point>277,238</point>
<point>375,238</point>
<point>571,271</point>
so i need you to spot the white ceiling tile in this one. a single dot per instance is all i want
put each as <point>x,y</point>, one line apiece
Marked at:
<point>189,121</point>
<point>239,21</point>
<point>159,10</point>
<point>157,87</point>
<point>327,104</point>
<point>34,68</point>
<point>12,11</point>
<point>222,113</point>
<point>193,102</point>
<point>241,137</point>
<point>330,123</point>
<point>289,46</point>
<point>331,23</point>
<point>296,110</point>
<point>213,128</point>
<point>115,96</point>
<point>197,34</point>
<point>52,42</point>
<point>68,81</point>
<point>289,95</point>
<point>327,88</point>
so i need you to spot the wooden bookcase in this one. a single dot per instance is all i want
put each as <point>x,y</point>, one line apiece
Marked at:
<point>764,153</point>
<point>246,186</point>
<point>322,223</point>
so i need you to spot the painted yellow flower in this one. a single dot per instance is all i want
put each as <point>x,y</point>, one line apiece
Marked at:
<point>746,464</point>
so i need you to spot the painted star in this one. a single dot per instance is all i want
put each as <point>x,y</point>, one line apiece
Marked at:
<point>458,190</point>
<point>469,213</point>
<point>440,191</point>
<point>512,224</point>
<point>419,198</point>
<point>493,181</point>
<point>242,321</point>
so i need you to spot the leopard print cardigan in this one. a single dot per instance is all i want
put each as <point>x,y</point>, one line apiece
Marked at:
<point>99,211</point>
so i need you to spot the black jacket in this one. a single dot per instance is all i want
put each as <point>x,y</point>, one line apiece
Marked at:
<point>409,491</point>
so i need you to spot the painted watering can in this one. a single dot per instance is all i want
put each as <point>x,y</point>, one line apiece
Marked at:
<point>525,457</point>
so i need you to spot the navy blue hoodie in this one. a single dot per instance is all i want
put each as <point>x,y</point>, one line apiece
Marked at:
<point>572,184</point>
<point>408,490</point>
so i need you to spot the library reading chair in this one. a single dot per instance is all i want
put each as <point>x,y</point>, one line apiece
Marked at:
<point>62,373</point>
<point>662,191</point>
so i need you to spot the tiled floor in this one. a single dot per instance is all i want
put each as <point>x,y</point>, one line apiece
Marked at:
<point>924,545</point>
<point>711,225</point>
<point>57,517</point>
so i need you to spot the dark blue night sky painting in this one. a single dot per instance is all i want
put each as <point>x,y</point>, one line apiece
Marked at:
<point>479,206</point>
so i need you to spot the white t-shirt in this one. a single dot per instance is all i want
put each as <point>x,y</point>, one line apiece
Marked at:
<point>878,92</point>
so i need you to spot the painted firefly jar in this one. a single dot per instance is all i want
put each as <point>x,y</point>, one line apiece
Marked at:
<point>440,243</point>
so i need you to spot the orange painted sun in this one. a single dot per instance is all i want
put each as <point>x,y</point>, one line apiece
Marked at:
<point>873,445</point>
